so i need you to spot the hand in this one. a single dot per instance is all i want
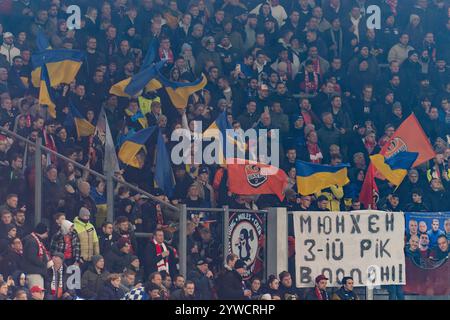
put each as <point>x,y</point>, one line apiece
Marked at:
<point>342,130</point>
<point>24,208</point>
<point>49,264</point>
<point>209,274</point>
<point>165,254</point>
<point>70,189</point>
<point>247,293</point>
<point>138,221</point>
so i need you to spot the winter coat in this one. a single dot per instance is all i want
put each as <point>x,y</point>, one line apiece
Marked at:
<point>116,261</point>
<point>180,295</point>
<point>92,282</point>
<point>343,294</point>
<point>33,264</point>
<point>58,245</point>
<point>231,287</point>
<point>109,292</point>
<point>399,52</point>
<point>203,285</point>
<point>9,51</point>
<point>88,239</point>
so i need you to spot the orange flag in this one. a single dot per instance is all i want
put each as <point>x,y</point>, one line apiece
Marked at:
<point>410,137</point>
<point>254,178</point>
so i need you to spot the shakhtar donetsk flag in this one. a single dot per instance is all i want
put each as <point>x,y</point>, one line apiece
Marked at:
<point>254,178</point>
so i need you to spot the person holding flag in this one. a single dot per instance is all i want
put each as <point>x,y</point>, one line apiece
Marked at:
<point>408,147</point>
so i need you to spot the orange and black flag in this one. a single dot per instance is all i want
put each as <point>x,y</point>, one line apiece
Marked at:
<point>409,137</point>
<point>247,177</point>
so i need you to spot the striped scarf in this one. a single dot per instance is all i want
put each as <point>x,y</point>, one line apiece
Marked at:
<point>163,264</point>
<point>57,274</point>
<point>42,250</point>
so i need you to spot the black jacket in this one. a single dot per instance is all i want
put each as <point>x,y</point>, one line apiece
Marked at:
<point>180,295</point>
<point>32,263</point>
<point>231,288</point>
<point>203,285</point>
<point>11,262</point>
<point>116,261</point>
<point>108,292</point>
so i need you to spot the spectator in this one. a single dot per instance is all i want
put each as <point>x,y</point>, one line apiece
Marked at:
<point>186,293</point>
<point>89,245</point>
<point>111,290</point>
<point>159,256</point>
<point>203,280</point>
<point>94,278</point>
<point>36,256</point>
<point>235,290</point>
<point>319,292</point>
<point>346,291</point>
<point>118,258</point>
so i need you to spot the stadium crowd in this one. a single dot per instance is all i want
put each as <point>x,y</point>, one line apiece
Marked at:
<point>336,90</point>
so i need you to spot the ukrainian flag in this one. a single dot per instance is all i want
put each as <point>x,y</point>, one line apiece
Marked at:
<point>219,129</point>
<point>163,170</point>
<point>143,79</point>
<point>42,42</point>
<point>395,168</point>
<point>84,128</point>
<point>130,149</point>
<point>62,66</point>
<point>179,92</point>
<point>312,178</point>
<point>46,93</point>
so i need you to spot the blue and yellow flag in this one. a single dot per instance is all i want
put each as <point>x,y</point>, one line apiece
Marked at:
<point>84,128</point>
<point>395,168</point>
<point>164,177</point>
<point>312,178</point>
<point>62,66</point>
<point>42,42</point>
<point>130,149</point>
<point>179,92</point>
<point>220,127</point>
<point>46,92</point>
<point>146,78</point>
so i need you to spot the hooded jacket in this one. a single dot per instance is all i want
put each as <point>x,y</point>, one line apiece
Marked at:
<point>116,261</point>
<point>92,282</point>
<point>58,245</point>
<point>89,245</point>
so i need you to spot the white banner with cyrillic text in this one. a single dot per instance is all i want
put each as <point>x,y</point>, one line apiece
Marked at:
<point>366,245</point>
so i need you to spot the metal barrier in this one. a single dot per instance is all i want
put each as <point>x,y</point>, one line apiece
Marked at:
<point>109,178</point>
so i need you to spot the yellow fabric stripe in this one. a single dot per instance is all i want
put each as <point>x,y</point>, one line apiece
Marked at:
<point>321,180</point>
<point>118,88</point>
<point>44,99</point>
<point>62,71</point>
<point>58,72</point>
<point>394,176</point>
<point>84,127</point>
<point>128,152</point>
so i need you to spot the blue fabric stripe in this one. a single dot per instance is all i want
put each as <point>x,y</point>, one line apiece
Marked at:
<point>306,169</point>
<point>402,160</point>
<point>142,136</point>
<point>58,55</point>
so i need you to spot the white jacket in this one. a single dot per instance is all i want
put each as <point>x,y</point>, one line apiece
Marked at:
<point>10,52</point>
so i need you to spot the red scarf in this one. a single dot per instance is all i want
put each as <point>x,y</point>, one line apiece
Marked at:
<point>168,55</point>
<point>42,250</point>
<point>50,143</point>
<point>370,146</point>
<point>68,247</point>
<point>319,294</point>
<point>163,264</point>
<point>311,85</point>
<point>315,155</point>
<point>393,6</point>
